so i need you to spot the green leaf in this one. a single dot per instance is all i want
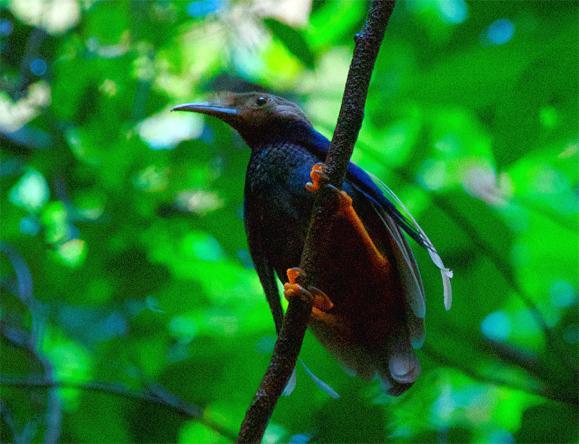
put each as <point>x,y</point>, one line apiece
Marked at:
<point>293,40</point>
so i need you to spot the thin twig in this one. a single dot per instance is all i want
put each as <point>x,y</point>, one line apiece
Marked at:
<point>28,340</point>
<point>504,269</point>
<point>553,395</point>
<point>548,213</point>
<point>291,336</point>
<point>157,397</point>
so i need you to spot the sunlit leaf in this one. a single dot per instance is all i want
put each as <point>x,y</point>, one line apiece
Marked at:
<point>293,41</point>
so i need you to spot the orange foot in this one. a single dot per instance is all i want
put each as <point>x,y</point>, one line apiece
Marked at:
<point>319,177</point>
<point>320,300</point>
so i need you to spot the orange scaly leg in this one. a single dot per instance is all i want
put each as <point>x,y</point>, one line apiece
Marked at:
<point>319,179</point>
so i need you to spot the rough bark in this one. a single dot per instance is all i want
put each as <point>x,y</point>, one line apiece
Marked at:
<point>291,336</point>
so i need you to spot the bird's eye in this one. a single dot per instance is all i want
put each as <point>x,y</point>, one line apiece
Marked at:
<point>261,100</point>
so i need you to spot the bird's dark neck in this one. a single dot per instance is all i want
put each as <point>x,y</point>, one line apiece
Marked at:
<point>299,133</point>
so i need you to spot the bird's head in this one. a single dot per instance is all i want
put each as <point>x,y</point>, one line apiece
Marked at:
<point>258,117</point>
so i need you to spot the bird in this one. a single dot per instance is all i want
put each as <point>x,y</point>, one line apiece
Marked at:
<point>368,298</point>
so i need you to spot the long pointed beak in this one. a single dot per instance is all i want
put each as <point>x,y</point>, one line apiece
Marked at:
<point>211,109</point>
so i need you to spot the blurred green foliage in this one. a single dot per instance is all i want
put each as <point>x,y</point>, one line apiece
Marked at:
<point>123,253</point>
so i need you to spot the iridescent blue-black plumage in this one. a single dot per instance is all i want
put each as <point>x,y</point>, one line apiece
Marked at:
<point>369,272</point>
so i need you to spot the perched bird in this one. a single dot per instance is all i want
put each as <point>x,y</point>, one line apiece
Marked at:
<point>368,300</point>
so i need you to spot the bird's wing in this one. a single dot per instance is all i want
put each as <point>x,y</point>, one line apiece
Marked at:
<point>253,223</point>
<point>410,278</point>
<point>387,203</point>
<point>391,210</point>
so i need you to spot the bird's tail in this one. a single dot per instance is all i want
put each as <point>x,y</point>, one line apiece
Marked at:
<point>400,367</point>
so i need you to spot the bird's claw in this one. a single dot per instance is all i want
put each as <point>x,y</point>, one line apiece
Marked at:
<point>317,297</point>
<point>318,176</point>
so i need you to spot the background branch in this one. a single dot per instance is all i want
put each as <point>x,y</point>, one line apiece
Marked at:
<point>291,336</point>
<point>29,340</point>
<point>544,392</point>
<point>155,396</point>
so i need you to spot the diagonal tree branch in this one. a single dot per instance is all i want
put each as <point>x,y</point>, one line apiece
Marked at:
<point>290,339</point>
